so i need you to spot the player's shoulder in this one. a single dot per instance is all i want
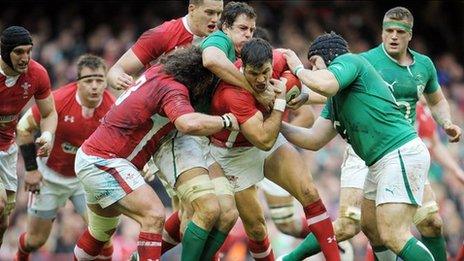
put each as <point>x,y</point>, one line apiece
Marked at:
<point>349,58</point>
<point>36,70</point>
<point>217,35</point>
<point>374,55</point>
<point>422,59</point>
<point>172,26</point>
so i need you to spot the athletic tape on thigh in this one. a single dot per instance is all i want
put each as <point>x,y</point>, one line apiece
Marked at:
<point>195,188</point>
<point>426,210</point>
<point>352,213</point>
<point>222,186</point>
<point>282,213</point>
<point>10,204</point>
<point>102,228</point>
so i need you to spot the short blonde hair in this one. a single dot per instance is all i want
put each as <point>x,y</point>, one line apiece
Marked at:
<point>399,13</point>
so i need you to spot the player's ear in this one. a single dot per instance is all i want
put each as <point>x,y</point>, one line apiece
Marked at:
<point>191,7</point>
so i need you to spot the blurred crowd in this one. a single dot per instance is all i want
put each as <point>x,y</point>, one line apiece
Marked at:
<point>66,30</point>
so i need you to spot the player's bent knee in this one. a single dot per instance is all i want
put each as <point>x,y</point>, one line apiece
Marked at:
<point>255,228</point>
<point>348,224</point>
<point>209,210</point>
<point>431,226</point>
<point>229,212</point>
<point>153,218</point>
<point>346,228</point>
<point>34,242</point>
<point>102,228</point>
<point>427,219</point>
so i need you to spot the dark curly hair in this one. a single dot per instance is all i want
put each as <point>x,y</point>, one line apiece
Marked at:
<point>186,66</point>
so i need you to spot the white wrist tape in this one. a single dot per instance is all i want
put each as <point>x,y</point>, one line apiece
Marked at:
<point>279,105</point>
<point>47,136</point>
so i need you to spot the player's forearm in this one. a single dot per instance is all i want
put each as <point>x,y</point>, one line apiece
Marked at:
<point>269,131</point>
<point>226,70</point>
<point>199,124</point>
<point>316,98</point>
<point>321,81</point>
<point>441,112</point>
<point>49,122</point>
<point>113,74</point>
<point>301,137</point>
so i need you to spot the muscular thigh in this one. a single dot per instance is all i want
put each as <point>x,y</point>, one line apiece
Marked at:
<point>285,168</point>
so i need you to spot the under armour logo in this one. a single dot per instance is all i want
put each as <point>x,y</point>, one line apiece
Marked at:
<point>69,118</point>
<point>331,239</point>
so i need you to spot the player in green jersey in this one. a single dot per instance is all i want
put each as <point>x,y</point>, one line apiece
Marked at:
<point>410,74</point>
<point>407,82</point>
<point>363,110</point>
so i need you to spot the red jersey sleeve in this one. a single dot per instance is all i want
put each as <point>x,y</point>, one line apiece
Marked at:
<point>240,102</point>
<point>151,44</point>
<point>43,81</point>
<point>176,103</point>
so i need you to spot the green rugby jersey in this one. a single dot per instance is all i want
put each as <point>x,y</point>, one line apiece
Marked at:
<point>407,83</point>
<point>220,40</point>
<point>364,111</point>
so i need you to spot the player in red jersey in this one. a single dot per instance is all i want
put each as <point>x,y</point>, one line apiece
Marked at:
<point>281,204</point>
<point>80,106</point>
<point>258,151</point>
<point>21,78</point>
<point>191,29</point>
<point>144,119</point>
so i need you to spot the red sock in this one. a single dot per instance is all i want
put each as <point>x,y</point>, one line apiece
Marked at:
<point>149,246</point>
<point>171,232</point>
<point>87,247</point>
<point>22,254</point>
<point>304,228</point>
<point>460,256</point>
<point>106,254</point>
<point>320,224</point>
<point>261,250</point>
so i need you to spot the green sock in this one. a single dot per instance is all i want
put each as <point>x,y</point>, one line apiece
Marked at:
<point>193,242</point>
<point>308,247</point>
<point>436,245</point>
<point>414,250</point>
<point>383,253</point>
<point>215,240</point>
